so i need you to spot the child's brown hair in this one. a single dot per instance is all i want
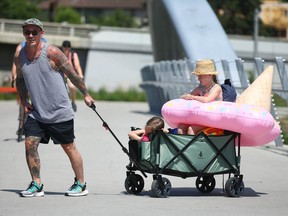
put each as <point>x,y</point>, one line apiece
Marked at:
<point>155,123</point>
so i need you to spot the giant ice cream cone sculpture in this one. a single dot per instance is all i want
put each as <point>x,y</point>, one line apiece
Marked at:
<point>259,92</point>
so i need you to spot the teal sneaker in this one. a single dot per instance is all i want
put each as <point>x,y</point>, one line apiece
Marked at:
<point>77,189</point>
<point>33,190</point>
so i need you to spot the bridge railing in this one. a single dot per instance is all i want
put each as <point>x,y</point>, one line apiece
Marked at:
<point>63,29</point>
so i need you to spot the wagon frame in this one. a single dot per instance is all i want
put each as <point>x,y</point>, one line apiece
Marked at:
<point>185,156</point>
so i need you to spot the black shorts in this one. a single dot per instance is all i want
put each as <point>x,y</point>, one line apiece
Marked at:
<point>60,133</point>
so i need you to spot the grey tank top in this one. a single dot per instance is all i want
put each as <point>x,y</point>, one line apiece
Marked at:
<point>47,89</point>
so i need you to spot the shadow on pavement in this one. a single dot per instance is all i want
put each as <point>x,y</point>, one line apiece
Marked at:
<point>193,192</point>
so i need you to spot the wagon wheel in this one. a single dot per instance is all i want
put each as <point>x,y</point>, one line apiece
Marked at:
<point>205,184</point>
<point>134,183</point>
<point>158,191</point>
<point>233,187</point>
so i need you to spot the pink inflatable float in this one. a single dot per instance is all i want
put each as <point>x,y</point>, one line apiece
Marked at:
<point>255,124</point>
<point>250,115</point>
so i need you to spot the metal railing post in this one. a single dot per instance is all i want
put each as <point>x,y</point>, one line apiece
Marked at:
<point>260,68</point>
<point>244,82</point>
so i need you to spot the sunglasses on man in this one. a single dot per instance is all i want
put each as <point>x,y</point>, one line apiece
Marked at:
<point>33,32</point>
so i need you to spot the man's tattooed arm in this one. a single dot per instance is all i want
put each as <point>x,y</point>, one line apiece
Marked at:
<point>59,61</point>
<point>20,83</point>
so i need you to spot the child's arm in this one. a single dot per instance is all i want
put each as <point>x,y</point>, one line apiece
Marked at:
<point>215,92</point>
<point>136,134</point>
<point>165,130</point>
<point>189,96</point>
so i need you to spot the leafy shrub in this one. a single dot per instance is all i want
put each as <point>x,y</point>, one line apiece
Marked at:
<point>284,127</point>
<point>118,18</point>
<point>132,94</point>
<point>279,101</point>
<point>67,14</point>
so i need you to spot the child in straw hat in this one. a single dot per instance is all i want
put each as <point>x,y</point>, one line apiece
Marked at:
<point>207,91</point>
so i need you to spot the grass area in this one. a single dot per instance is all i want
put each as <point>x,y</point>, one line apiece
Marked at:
<point>132,94</point>
<point>7,96</point>
<point>279,101</point>
<point>284,127</point>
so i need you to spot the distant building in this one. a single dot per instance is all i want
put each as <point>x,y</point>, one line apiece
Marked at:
<point>275,14</point>
<point>95,8</point>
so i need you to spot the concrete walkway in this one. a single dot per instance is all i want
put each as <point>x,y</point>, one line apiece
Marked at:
<point>265,171</point>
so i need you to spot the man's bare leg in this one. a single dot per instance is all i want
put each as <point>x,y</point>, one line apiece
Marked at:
<point>76,160</point>
<point>35,189</point>
<point>32,157</point>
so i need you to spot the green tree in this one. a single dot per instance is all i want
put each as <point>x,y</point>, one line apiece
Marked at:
<point>67,14</point>
<point>237,17</point>
<point>118,18</point>
<point>18,9</point>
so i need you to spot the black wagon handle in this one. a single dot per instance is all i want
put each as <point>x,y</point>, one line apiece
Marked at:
<point>106,126</point>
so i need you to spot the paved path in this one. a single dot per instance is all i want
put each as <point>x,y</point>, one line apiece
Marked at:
<point>265,171</point>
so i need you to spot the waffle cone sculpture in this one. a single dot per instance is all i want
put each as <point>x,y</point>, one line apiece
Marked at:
<point>259,92</point>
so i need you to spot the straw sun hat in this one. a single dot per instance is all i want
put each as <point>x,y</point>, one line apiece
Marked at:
<point>205,67</point>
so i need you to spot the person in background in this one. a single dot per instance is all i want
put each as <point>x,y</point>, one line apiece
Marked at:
<point>75,62</point>
<point>40,79</point>
<point>207,91</point>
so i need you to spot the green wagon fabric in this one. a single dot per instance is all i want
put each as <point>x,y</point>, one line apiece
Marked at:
<point>185,155</point>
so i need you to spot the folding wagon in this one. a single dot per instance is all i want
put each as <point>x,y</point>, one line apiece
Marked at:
<point>185,156</point>
<point>182,156</point>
